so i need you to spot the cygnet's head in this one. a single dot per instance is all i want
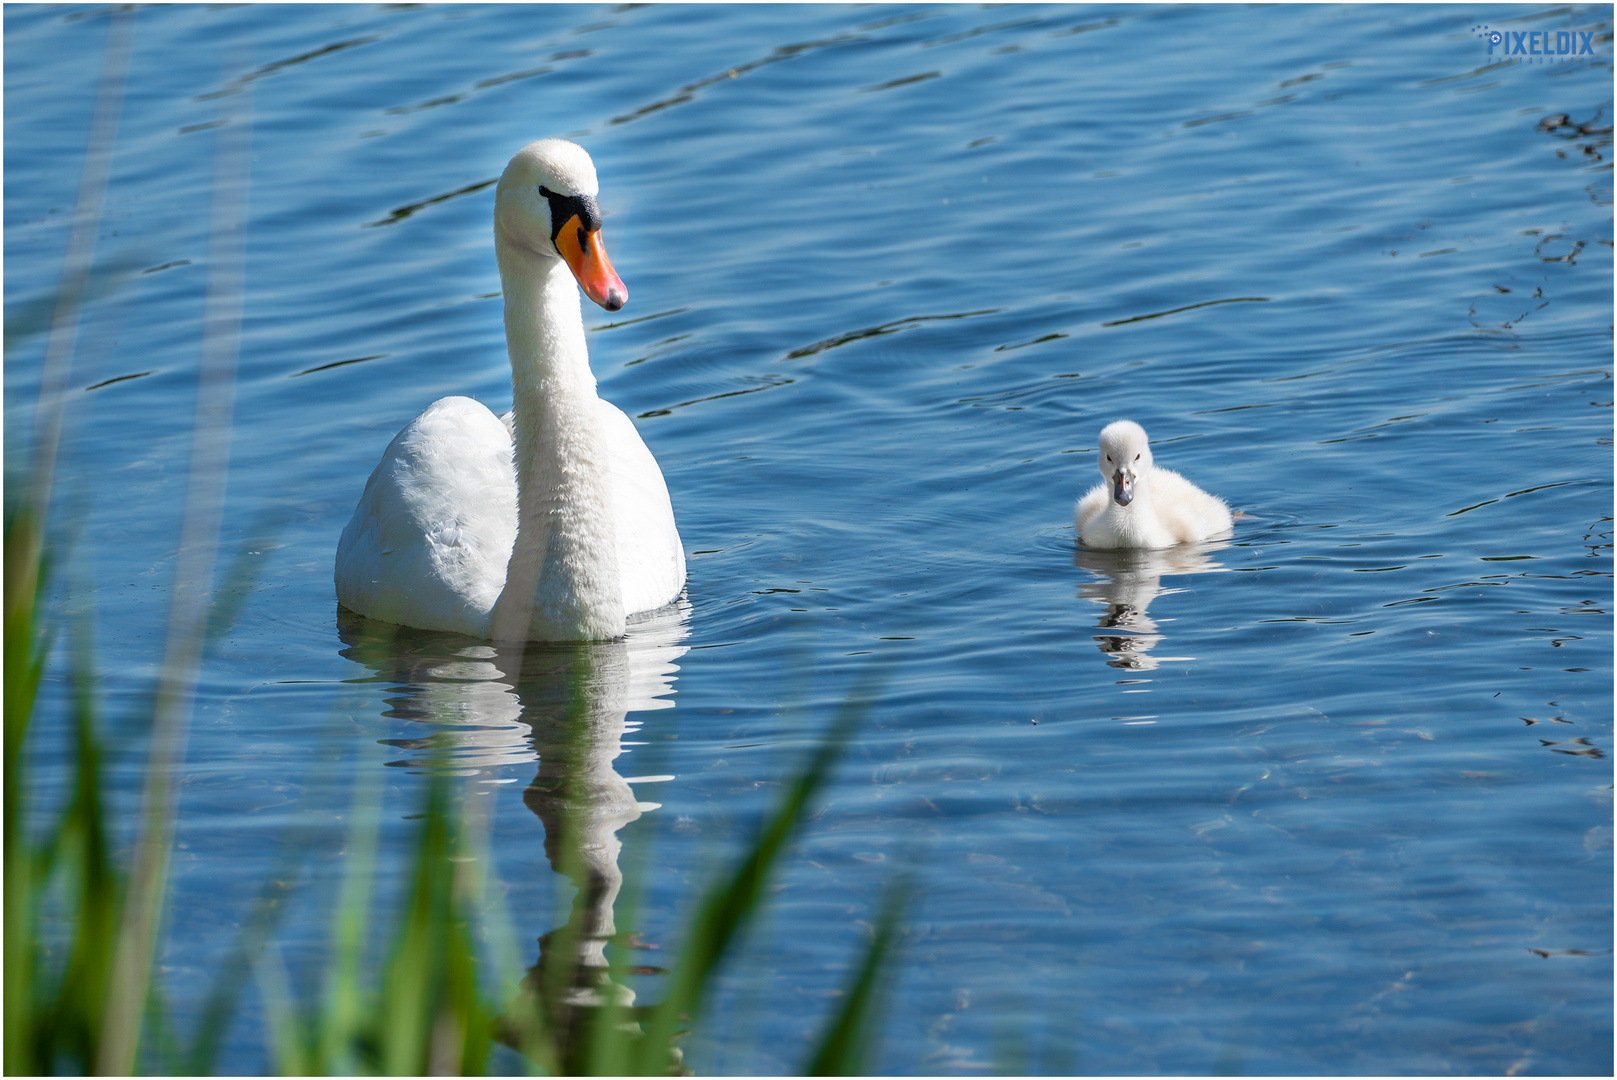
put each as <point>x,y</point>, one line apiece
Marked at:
<point>546,204</point>
<point>1125,456</point>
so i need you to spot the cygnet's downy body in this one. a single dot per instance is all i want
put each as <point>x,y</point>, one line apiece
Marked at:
<point>1138,504</point>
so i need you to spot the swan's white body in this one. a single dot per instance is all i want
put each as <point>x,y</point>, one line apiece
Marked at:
<point>1141,505</point>
<point>556,524</point>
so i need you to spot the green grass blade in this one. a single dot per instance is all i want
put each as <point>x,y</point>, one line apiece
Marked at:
<point>280,1015</point>
<point>727,907</point>
<point>524,1033</point>
<point>97,890</point>
<point>433,1018</point>
<point>844,1048</point>
<point>23,666</point>
<point>24,654</point>
<point>409,980</point>
<point>341,1020</point>
<point>188,604</point>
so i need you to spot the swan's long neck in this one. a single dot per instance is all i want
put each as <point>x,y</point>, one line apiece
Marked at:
<point>563,582</point>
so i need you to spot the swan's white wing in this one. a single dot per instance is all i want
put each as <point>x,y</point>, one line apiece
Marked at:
<point>650,556</point>
<point>430,539</point>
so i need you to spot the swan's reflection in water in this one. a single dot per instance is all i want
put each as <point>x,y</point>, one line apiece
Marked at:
<point>566,706</point>
<point>1125,584</point>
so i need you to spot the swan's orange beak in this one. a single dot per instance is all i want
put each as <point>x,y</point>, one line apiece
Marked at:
<point>586,257</point>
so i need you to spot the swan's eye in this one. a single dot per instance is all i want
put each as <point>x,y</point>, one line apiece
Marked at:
<point>1136,457</point>
<point>563,208</point>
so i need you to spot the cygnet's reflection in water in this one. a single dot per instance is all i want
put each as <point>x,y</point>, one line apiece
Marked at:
<point>568,706</point>
<point>1126,582</point>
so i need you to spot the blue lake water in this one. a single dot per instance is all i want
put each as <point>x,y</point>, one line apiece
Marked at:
<point>1333,796</point>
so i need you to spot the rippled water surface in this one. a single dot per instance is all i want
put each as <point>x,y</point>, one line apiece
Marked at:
<point>1333,796</point>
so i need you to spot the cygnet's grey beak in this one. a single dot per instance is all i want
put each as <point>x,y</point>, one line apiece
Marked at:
<point>1123,487</point>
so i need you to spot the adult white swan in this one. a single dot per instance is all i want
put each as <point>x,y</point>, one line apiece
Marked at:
<point>1141,505</point>
<point>554,524</point>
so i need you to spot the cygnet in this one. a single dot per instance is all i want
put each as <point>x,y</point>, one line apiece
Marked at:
<point>1141,505</point>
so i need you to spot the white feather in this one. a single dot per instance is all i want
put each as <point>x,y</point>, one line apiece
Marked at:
<point>1166,509</point>
<point>554,524</point>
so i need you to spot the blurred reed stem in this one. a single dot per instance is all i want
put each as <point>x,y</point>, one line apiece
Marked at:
<point>193,586</point>
<point>428,1012</point>
<point>32,1028</point>
<point>76,264</point>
